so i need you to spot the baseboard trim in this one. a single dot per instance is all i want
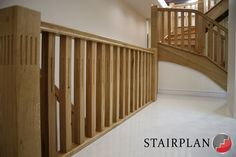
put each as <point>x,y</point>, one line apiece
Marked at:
<point>192,93</point>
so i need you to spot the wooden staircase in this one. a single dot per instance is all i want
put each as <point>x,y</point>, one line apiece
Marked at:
<point>190,38</point>
<point>219,11</point>
<point>175,39</point>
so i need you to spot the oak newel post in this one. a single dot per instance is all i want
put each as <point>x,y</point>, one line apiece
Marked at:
<point>154,29</point>
<point>19,83</point>
<point>155,37</point>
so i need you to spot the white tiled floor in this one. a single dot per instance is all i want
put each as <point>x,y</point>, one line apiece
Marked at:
<point>170,116</point>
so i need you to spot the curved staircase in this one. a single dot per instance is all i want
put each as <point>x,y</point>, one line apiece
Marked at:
<point>193,39</point>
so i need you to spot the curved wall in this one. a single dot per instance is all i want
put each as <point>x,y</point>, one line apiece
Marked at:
<point>176,78</point>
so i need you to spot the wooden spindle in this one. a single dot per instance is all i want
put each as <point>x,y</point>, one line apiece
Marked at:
<point>48,99</point>
<point>201,34</point>
<point>65,94</point>
<point>209,4</point>
<point>116,105</point>
<point>141,79</point>
<point>182,29</point>
<point>176,29</point>
<point>133,89</point>
<point>91,88</point>
<point>154,80</point>
<point>219,47</point>
<point>226,51</point>
<point>189,30</point>
<point>109,85</point>
<point>123,95</point>
<point>169,27</point>
<point>100,95</point>
<point>215,50</point>
<point>148,71</point>
<point>197,33</point>
<point>201,6</point>
<point>79,90</point>
<point>163,27</point>
<point>210,41</point>
<point>128,82</point>
<point>150,78</point>
<point>145,79</point>
<point>222,41</point>
<point>138,79</point>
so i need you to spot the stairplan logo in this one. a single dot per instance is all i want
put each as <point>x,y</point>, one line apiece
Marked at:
<point>221,143</point>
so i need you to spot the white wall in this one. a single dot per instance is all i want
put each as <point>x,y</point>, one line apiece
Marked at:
<point>174,78</point>
<point>109,18</point>
<point>114,19</point>
<point>231,101</point>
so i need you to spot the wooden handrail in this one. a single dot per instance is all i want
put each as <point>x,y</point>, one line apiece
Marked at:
<point>221,1</point>
<point>61,30</point>
<point>112,80</point>
<point>197,12</point>
<point>202,5</point>
<point>183,5</point>
<point>189,29</point>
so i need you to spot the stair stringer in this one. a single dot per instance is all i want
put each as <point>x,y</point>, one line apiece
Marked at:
<point>194,61</point>
<point>219,11</point>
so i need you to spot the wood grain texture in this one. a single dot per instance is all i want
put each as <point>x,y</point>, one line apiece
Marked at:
<point>109,85</point>
<point>91,89</point>
<point>128,82</point>
<point>169,26</point>
<point>123,83</point>
<point>154,26</point>
<point>175,28</point>
<point>79,90</point>
<point>201,5</point>
<point>145,79</point>
<point>154,74</point>
<point>150,78</point>
<point>182,29</point>
<point>218,10</point>
<point>206,18</point>
<point>57,29</point>
<point>141,80</point>
<point>189,29</point>
<point>101,80</point>
<point>116,104</point>
<point>19,83</point>
<point>133,78</point>
<point>65,94</point>
<point>76,149</point>
<point>210,42</point>
<point>48,99</point>
<point>138,80</point>
<point>102,85</point>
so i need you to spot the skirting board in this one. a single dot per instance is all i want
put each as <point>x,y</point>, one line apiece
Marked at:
<point>192,93</point>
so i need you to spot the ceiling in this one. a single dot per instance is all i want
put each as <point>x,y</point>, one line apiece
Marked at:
<point>143,7</point>
<point>176,1</point>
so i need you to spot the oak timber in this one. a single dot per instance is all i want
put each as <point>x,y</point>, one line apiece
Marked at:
<point>65,94</point>
<point>219,10</point>
<point>19,83</point>
<point>79,90</point>
<point>48,99</point>
<point>91,88</point>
